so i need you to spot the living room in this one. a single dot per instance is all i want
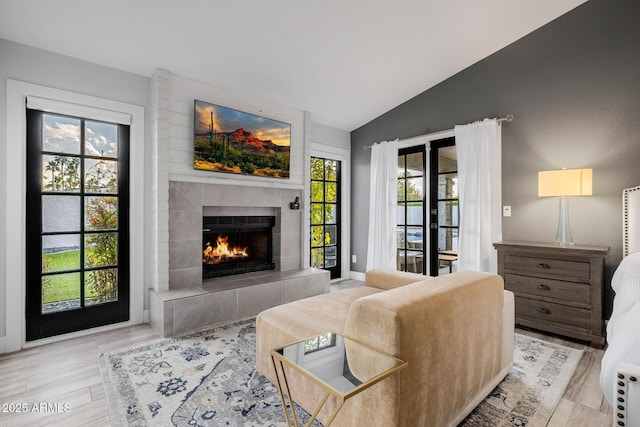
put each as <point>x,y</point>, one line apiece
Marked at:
<point>571,86</point>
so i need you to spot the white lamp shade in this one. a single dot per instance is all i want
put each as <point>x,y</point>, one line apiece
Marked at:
<point>565,182</point>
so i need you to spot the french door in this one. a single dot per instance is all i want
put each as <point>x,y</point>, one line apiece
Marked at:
<point>443,209</point>
<point>411,210</point>
<point>325,215</point>
<point>77,232</point>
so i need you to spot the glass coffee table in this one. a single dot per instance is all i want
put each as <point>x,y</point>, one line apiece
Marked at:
<point>342,366</point>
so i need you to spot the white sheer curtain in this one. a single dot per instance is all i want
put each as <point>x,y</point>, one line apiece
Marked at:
<point>383,200</point>
<point>480,194</point>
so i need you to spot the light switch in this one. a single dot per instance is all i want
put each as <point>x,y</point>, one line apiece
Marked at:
<point>506,211</point>
<point>353,259</point>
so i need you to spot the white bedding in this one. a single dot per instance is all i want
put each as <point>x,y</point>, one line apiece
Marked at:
<point>623,329</point>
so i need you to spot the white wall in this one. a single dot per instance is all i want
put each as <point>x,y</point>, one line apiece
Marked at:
<point>45,68</point>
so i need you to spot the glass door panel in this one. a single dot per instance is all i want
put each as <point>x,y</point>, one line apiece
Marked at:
<point>325,215</point>
<point>410,210</point>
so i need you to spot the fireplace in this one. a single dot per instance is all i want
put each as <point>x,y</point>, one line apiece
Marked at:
<point>236,245</point>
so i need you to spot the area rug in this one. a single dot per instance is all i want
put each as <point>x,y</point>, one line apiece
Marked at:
<point>209,379</point>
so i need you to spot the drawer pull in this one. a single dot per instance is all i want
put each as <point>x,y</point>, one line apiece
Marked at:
<point>543,310</point>
<point>544,266</point>
<point>544,287</point>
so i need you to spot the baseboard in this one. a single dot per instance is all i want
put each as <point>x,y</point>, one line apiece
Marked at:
<point>3,345</point>
<point>145,316</point>
<point>356,275</point>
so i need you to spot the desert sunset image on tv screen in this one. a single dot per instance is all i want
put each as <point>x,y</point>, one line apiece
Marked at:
<point>232,141</point>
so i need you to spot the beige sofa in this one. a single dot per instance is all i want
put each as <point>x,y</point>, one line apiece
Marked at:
<point>455,331</point>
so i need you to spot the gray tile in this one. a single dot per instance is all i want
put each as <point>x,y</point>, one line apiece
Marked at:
<point>223,195</point>
<point>307,286</point>
<point>185,196</point>
<point>200,311</point>
<point>160,315</point>
<point>185,254</point>
<point>185,225</point>
<point>290,262</point>
<point>254,299</point>
<point>187,278</point>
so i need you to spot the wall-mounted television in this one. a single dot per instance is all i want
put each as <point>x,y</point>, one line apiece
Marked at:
<point>232,141</point>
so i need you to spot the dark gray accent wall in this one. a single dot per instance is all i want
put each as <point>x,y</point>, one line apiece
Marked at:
<point>574,89</point>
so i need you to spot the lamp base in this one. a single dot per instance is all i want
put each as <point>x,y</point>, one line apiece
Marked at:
<point>563,236</point>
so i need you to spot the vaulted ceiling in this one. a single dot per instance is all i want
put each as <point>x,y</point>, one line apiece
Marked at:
<point>344,61</point>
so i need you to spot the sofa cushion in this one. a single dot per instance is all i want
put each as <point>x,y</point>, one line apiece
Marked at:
<point>301,319</point>
<point>389,279</point>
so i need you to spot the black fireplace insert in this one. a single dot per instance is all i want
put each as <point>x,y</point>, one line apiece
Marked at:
<point>236,245</point>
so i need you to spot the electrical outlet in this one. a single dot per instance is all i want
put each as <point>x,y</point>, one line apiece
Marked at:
<point>353,259</point>
<point>506,211</point>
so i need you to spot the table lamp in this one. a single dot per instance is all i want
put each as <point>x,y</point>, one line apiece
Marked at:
<point>562,183</point>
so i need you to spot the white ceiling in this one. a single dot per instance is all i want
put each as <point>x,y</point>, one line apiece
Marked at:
<point>344,61</point>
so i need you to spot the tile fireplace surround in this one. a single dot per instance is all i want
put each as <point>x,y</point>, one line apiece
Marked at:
<point>191,303</point>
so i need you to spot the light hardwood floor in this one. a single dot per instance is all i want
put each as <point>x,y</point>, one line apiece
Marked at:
<point>67,373</point>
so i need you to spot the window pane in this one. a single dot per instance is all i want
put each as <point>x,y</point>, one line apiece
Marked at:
<point>60,252</point>
<point>400,213</point>
<point>448,213</point>
<point>401,238</point>
<point>330,194</point>
<point>60,292</point>
<point>402,183</point>
<point>331,235</point>
<point>401,163</point>
<point>317,213</point>
<point>100,249</point>
<point>60,173</point>
<point>414,213</point>
<point>317,191</point>
<point>447,239</point>
<point>101,286</point>
<point>330,214</point>
<point>101,213</point>
<point>330,256</point>
<point>100,176</point>
<point>448,186</point>
<point>414,164</point>
<point>317,168</point>
<point>101,139</point>
<point>60,213</point>
<point>60,134</point>
<point>317,258</point>
<point>414,238</point>
<point>317,235</point>
<point>331,170</point>
<point>447,159</point>
<point>414,189</point>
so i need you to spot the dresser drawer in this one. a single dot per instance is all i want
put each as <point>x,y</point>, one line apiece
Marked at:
<point>548,266</point>
<point>539,310</point>
<point>579,293</point>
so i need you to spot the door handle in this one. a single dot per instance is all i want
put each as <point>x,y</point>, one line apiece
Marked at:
<point>434,226</point>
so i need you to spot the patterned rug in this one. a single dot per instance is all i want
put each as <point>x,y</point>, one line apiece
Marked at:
<point>209,379</point>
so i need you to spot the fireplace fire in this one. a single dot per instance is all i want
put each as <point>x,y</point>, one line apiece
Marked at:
<point>236,245</point>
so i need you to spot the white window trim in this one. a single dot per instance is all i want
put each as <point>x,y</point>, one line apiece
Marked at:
<point>15,167</point>
<point>344,156</point>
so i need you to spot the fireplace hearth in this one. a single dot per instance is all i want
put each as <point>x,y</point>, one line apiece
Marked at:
<point>236,245</point>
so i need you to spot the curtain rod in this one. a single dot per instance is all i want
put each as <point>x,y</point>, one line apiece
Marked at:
<point>507,118</point>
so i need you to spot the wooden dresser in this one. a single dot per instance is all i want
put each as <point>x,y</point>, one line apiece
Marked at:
<point>557,289</point>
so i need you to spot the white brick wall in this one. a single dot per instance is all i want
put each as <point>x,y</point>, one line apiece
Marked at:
<point>173,103</point>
